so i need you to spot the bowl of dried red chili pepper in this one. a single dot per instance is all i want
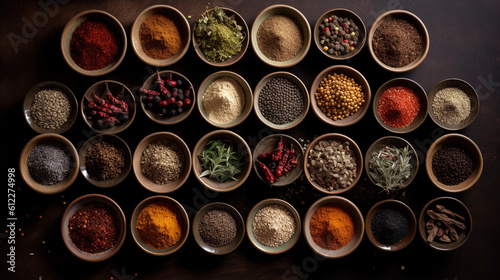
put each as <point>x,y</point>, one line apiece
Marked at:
<point>278,160</point>
<point>108,107</point>
<point>93,43</point>
<point>93,227</point>
<point>400,105</point>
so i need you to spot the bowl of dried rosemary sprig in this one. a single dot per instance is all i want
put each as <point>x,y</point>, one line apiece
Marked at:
<point>391,163</point>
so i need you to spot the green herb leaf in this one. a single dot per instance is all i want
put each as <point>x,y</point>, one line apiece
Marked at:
<point>391,167</point>
<point>219,161</point>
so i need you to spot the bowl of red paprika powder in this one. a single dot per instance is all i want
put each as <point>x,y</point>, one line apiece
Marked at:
<point>93,43</point>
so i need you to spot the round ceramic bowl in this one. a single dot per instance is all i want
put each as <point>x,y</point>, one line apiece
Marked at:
<point>75,206</point>
<point>183,219</point>
<point>469,146</point>
<point>300,20</point>
<point>283,247</point>
<point>342,13</point>
<point>468,90</point>
<point>411,18</point>
<point>150,83</point>
<point>240,228</point>
<point>145,181</point>
<point>417,89</point>
<point>116,142</point>
<point>240,146</point>
<point>295,80</point>
<point>357,219</point>
<point>351,73</point>
<point>270,143</point>
<point>114,25</point>
<point>179,20</point>
<point>48,138</point>
<point>100,124</point>
<point>247,91</point>
<point>244,44</point>
<point>342,138</point>
<point>457,207</point>
<point>49,85</point>
<point>395,142</point>
<point>402,208</point>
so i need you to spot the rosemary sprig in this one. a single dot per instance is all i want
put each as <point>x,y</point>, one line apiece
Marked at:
<point>390,167</point>
<point>219,161</point>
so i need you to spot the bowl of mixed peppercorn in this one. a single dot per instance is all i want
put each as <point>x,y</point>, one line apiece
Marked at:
<point>339,34</point>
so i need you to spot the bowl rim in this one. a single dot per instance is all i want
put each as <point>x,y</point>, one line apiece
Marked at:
<point>420,92</point>
<point>247,90</point>
<point>59,187</point>
<point>356,18</point>
<point>359,79</point>
<point>109,18</point>
<point>399,139</point>
<point>88,198</point>
<point>100,138</point>
<point>238,219</point>
<point>355,215</point>
<point>475,153</point>
<point>209,183</point>
<point>299,16</point>
<point>183,216</point>
<point>233,59</point>
<point>474,98</point>
<point>136,44</point>
<point>283,247</point>
<point>421,27</point>
<point>355,148</point>
<point>421,222</point>
<point>167,121</point>
<point>296,81</point>
<point>408,213</point>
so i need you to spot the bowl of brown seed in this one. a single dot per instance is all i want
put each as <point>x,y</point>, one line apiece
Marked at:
<point>50,107</point>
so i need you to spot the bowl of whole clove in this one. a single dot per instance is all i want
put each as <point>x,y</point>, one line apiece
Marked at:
<point>445,223</point>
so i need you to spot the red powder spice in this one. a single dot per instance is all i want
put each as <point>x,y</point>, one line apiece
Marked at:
<point>94,45</point>
<point>398,106</point>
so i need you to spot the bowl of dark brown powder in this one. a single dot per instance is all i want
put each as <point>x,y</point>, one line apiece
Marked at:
<point>398,41</point>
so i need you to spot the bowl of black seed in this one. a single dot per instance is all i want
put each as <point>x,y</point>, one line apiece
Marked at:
<point>105,160</point>
<point>50,107</point>
<point>339,34</point>
<point>218,228</point>
<point>281,100</point>
<point>454,163</point>
<point>49,163</point>
<point>390,225</point>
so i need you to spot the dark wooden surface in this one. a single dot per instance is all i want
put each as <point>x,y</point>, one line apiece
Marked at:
<point>464,44</point>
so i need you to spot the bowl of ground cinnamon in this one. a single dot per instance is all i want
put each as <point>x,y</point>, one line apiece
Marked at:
<point>160,35</point>
<point>398,41</point>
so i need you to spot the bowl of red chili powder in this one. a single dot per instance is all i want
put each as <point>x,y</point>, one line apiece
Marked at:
<point>93,43</point>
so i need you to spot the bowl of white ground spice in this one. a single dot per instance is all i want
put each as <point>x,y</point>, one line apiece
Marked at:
<point>453,104</point>
<point>50,107</point>
<point>161,162</point>
<point>273,226</point>
<point>225,99</point>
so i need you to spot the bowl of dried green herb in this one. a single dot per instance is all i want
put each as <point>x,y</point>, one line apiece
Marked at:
<point>220,36</point>
<point>222,161</point>
<point>391,163</point>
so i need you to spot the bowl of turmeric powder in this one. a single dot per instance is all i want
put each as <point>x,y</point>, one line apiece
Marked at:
<point>160,35</point>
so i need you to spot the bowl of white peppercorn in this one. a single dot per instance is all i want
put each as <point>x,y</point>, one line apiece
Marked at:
<point>333,163</point>
<point>281,100</point>
<point>225,99</point>
<point>453,104</point>
<point>50,107</point>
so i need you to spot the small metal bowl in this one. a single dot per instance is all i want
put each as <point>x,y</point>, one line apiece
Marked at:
<point>285,246</point>
<point>114,25</point>
<point>240,228</point>
<point>28,102</point>
<point>75,206</point>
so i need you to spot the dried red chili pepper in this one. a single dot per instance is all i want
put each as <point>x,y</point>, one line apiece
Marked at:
<point>292,163</point>
<point>267,172</point>
<point>281,165</point>
<point>149,91</point>
<point>116,101</point>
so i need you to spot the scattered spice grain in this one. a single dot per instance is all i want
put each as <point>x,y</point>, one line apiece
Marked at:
<point>218,228</point>
<point>331,227</point>
<point>279,38</point>
<point>160,37</point>
<point>451,105</point>
<point>273,225</point>
<point>162,161</point>
<point>398,106</point>
<point>50,109</point>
